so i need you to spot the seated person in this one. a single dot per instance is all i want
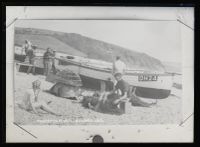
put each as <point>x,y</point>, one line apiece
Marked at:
<point>128,92</point>
<point>31,102</point>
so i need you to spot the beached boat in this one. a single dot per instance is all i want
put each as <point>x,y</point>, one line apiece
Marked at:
<point>156,85</point>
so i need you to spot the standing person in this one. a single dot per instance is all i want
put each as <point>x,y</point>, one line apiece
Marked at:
<point>31,53</point>
<point>47,61</point>
<point>31,102</point>
<point>53,61</point>
<point>118,67</point>
<point>26,46</point>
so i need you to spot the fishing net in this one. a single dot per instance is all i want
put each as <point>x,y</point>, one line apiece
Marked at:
<point>65,76</point>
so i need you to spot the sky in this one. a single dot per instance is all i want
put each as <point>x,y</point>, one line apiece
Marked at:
<point>159,39</point>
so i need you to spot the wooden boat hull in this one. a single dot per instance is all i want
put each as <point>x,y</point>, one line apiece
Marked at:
<point>152,93</point>
<point>144,92</point>
<point>157,88</point>
<point>91,76</point>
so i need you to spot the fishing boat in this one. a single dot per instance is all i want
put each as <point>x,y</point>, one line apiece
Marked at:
<point>155,85</point>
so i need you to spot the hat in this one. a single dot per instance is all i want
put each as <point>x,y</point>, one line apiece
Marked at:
<point>118,74</point>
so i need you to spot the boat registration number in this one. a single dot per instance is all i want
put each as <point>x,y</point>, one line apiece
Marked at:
<point>147,77</point>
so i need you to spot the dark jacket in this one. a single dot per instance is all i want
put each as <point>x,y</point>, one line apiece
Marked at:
<point>47,57</point>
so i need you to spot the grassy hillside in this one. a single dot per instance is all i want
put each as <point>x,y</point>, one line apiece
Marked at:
<point>44,41</point>
<point>77,44</point>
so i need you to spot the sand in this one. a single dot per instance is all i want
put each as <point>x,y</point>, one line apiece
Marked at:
<point>166,111</point>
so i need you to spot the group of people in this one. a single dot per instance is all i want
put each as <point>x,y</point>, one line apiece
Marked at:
<point>106,102</point>
<point>48,58</point>
<point>115,100</point>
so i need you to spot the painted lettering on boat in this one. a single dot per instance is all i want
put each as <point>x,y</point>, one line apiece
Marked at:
<point>147,77</point>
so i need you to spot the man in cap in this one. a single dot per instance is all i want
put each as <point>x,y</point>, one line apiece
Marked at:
<point>30,101</point>
<point>121,88</point>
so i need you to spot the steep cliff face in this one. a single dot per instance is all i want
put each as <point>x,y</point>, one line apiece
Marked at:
<point>79,45</point>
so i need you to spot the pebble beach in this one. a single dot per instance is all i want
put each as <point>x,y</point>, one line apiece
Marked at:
<point>166,111</point>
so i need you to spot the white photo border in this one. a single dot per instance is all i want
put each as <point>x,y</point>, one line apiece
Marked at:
<point>128,133</point>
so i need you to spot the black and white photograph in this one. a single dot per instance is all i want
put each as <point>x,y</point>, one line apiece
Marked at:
<point>100,72</point>
<point>114,72</point>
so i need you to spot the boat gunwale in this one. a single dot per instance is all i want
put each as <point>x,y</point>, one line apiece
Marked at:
<point>127,72</point>
<point>109,71</point>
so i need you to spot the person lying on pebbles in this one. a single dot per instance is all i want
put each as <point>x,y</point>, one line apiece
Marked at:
<point>114,101</point>
<point>105,102</point>
<point>31,102</point>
